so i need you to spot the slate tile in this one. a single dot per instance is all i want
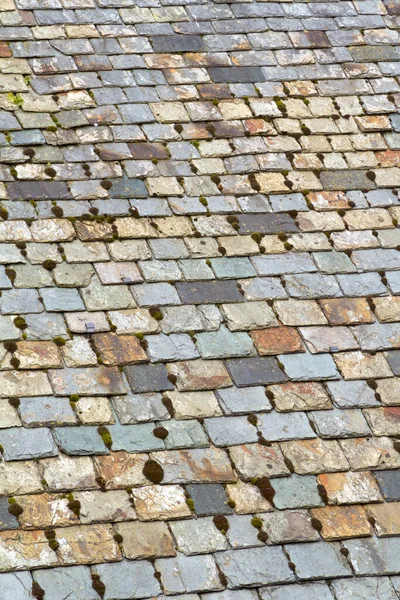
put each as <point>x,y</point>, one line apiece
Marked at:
<point>389,483</point>
<point>209,499</point>
<point>236,74</point>
<point>73,581</point>
<point>16,585</point>
<point>304,367</point>
<point>254,566</point>
<point>79,440</point>
<point>208,292</point>
<point>346,180</point>
<point>242,400</point>
<point>296,491</point>
<point>38,190</point>
<point>7,521</point>
<point>256,370</point>
<point>305,591</point>
<point>373,556</point>
<point>101,381</point>
<point>278,426</point>
<point>134,438</point>
<point>371,587</point>
<point>148,378</point>
<point>177,43</point>
<point>266,223</point>
<point>128,188</point>
<point>197,573</point>
<point>318,560</point>
<point>23,444</point>
<point>128,579</point>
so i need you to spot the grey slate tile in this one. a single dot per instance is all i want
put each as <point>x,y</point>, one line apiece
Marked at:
<point>128,579</point>
<point>7,520</point>
<point>305,591</point>
<point>243,400</point>
<point>296,491</point>
<point>148,378</point>
<point>373,556</point>
<point>23,444</point>
<point>208,292</point>
<point>16,585</point>
<point>368,587</point>
<point>209,499</point>
<point>73,581</point>
<point>236,74</point>
<point>257,370</point>
<point>79,441</point>
<point>389,483</point>
<point>177,43</point>
<point>38,190</point>
<point>318,560</point>
<point>305,367</point>
<point>255,566</point>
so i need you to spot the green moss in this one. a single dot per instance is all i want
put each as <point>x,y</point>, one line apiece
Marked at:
<point>203,201</point>
<point>57,211</point>
<point>20,323</point>
<point>59,341</point>
<point>14,402</point>
<point>153,471</point>
<point>49,265</point>
<point>190,503</point>
<point>98,585</point>
<point>3,213</point>
<point>168,405</point>
<point>105,436</point>
<point>221,523</point>
<point>74,506</point>
<point>156,313</point>
<point>257,523</point>
<point>160,432</point>
<point>15,362</point>
<point>11,274</point>
<point>252,419</point>
<point>14,508</point>
<point>51,538</point>
<point>265,488</point>
<point>280,104</point>
<point>316,524</point>
<point>37,591</point>
<point>15,99</point>
<point>50,172</point>
<point>54,545</point>
<point>10,346</point>
<point>257,237</point>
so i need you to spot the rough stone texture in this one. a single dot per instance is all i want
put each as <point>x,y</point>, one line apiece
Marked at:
<point>200,299</point>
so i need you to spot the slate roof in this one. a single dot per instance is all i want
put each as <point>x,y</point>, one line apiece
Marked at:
<point>199,311</point>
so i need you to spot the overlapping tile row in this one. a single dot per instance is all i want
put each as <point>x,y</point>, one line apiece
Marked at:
<point>199,311</point>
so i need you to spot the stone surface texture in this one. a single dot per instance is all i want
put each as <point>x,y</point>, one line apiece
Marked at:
<point>199,299</point>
